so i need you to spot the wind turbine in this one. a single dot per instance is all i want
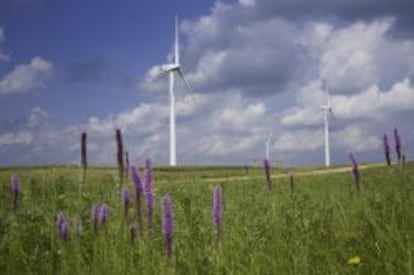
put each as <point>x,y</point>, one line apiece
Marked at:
<point>173,67</point>
<point>327,109</point>
<point>269,135</point>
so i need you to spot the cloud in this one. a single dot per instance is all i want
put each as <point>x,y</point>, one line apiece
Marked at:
<point>356,56</point>
<point>16,138</point>
<point>353,57</point>
<point>247,3</point>
<point>225,53</point>
<point>26,77</point>
<point>299,140</point>
<point>237,115</point>
<point>264,74</point>
<point>221,145</point>
<point>149,115</point>
<point>342,10</point>
<point>353,137</point>
<point>37,117</point>
<point>371,103</point>
<point>257,67</point>
<point>248,62</point>
<point>199,134</point>
<point>369,74</point>
<point>240,49</point>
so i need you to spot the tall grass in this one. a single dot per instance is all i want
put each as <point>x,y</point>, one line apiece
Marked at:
<point>314,230</point>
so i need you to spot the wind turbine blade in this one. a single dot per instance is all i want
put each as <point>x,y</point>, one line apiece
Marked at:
<point>323,85</point>
<point>189,89</point>
<point>328,98</point>
<point>326,90</point>
<point>332,113</point>
<point>180,73</point>
<point>176,43</point>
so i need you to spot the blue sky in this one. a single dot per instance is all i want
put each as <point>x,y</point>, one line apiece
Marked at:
<point>88,41</point>
<point>255,66</point>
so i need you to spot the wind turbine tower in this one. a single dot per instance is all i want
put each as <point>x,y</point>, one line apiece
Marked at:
<point>327,110</point>
<point>172,68</point>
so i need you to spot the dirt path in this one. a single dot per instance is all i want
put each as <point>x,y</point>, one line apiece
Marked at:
<point>304,173</point>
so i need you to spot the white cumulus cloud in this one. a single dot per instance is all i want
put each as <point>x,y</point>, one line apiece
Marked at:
<point>26,77</point>
<point>16,138</point>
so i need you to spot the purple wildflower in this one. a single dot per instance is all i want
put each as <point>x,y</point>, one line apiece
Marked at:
<point>136,179</point>
<point>138,191</point>
<point>217,210</point>
<point>64,230</point>
<point>397,144</point>
<point>126,165</point>
<point>167,224</point>
<point>355,171</point>
<point>62,226</point>
<point>387,150</point>
<point>267,173</point>
<point>125,200</point>
<point>103,214</point>
<point>149,195</point>
<point>95,216</point>
<point>15,188</point>
<point>59,219</point>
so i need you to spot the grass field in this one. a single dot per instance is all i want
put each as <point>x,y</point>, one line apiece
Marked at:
<point>323,227</point>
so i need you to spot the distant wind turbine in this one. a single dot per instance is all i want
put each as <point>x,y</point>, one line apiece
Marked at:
<point>171,68</point>
<point>327,110</point>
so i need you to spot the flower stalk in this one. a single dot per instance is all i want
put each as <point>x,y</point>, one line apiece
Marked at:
<point>120,154</point>
<point>168,225</point>
<point>15,188</point>
<point>387,150</point>
<point>355,171</point>
<point>149,196</point>
<point>217,211</point>
<point>138,193</point>
<point>267,173</point>
<point>84,157</point>
<point>125,201</point>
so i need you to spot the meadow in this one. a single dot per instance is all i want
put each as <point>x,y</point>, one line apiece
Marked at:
<point>320,226</point>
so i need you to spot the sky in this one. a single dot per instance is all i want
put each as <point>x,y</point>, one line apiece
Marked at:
<point>255,66</point>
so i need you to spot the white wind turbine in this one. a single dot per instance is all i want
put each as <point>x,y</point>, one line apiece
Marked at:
<point>268,137</point>
<point>171,68</point>
<point>327,109</point>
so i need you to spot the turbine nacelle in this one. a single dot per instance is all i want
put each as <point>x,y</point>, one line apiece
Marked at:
<point>327,109</point>
<point>166,68</point>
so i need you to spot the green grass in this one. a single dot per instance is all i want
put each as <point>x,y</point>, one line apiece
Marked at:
<point>314,230</point>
